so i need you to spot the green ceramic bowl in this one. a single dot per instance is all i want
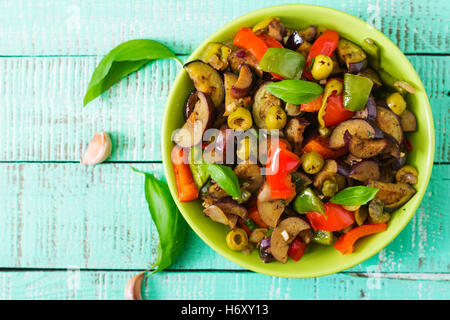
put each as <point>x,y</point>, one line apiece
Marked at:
<point>318,260</point>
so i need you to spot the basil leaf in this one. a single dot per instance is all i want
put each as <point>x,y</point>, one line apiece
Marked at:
<point>226,178</point>
<point>167,218</point>
<point>354,196</point>
<point>295,91</point>
<point>123,60</point>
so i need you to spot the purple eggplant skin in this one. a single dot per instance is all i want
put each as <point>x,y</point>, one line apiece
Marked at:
<point>399,162</point>
<point>369,113</point>
<point>343,169</point>
<point>265,255</point>
<point>265,243</point>
<point>294,41</point>
<point>190,104</point>
<point>390,123</point>
<point>365,170</point>
<point>364,148</point>
<point>357,67</point>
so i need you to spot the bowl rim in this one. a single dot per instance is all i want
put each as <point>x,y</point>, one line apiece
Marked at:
<point>395,229</point>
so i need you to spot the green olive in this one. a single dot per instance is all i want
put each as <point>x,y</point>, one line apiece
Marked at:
<point>329,188</point>
<point>237,239</point>
<point>322,67</point>
<point>396,103</point>
<point>275,118</point>
<point>312,162</point>
<point>240,119</point>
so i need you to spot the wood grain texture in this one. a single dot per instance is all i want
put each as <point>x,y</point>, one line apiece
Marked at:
<point>60,215</point>
<point>49,27</point>
<point>44,120</point>
<point>75,284</point>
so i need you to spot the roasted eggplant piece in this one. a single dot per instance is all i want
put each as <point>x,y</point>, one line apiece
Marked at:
<point>294,41</point>
<point>369,113</point>
<point>241,57</point>
<point>364,148</point>
<point>393,195</point>
<point>284,234</point>
<point>407,174</point>
<point>217,215</point>
<point>206,79</point>
<point>199,120</point>
<point>190,104</point>
<point>372,75</point>
<point>357,67</point>
<point>294,133</point>
<point>389,123</point>
<point>263,101</point>
<point>243,85</point>
<point>356,127</point>
<point>225,145</point>
<point>270,210</point>
<point>229,206</point>
<point>392,149</point>
<point>276,29</point>
<point>308,34</point>
<point>251,174</point>
<point>376,212</point>
<point>365,170</point>
<point>408,121</point>
<point>350,53</point>
<point>328,172</point>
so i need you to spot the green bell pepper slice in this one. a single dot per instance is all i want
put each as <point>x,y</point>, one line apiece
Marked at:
<point>198,169</point>
<point>284,62</point>
<point>308,201</point>
<point>323,237</point>
<point>356,91</point>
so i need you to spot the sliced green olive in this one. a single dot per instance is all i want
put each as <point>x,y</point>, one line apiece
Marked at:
<point>276,118</point>
<point>312,162</point>
<point>237,239</point>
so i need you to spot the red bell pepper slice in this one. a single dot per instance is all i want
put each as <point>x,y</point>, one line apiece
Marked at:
<point>346,242</point>
<point>187,190</point>
<point>321,146</point>
<point>253,214</point>
<point>297,249</point>
<point>312,106</point>
<point>281,162</point>
<point>335,111</point>
<point>245,38</point>
<point>325,44</point>
<point>336,218</point>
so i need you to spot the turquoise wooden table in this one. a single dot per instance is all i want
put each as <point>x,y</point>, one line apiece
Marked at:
<point>74,232</point>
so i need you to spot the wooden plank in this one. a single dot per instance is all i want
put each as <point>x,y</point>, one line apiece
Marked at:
<point>93,28</point>
<point>75,284</point>
<point>60,215</point>
<point>44,120</point>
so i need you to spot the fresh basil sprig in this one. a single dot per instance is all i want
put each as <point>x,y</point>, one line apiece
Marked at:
<point>354,196</point>
<point>124,59</point>
<point>168,221</point>
<point>295,91</point>
<point>226,178</point>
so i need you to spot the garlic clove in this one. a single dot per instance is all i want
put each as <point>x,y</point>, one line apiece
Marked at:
<point>98,150</point>
<point>133,287</point>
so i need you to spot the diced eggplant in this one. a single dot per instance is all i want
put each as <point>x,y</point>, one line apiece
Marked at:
<point>372,75</point>
<point>217,215</point>
<point>206,79</point>
<point>357,66</point>
<point>389,123</point>
<point>369,113</point>
<point>263,101</point>
<point>408,121</point>
<point>269,210</point>
<point>350,52</point>
<point>229,206</point>
<point>393,195</point>
<point>364,148</point>
<point>216,192</point>
<point>328,172</point>
<point>240,57</point>
<point>376,212</point>
<point>294,133</point>
<point>365,170</point>
<point>199,120</point>
<point>392,149</point>
<point>294,41</point>
<point>308,34</point>
<point>276,29</point>
<point>284,234</point>
<point>251,174</point>
<point>243,85</point>
<point>356,127</point>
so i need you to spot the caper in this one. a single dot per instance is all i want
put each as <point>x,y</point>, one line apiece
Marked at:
<point>312,162</point>
<point>275,118</point>
<point>329,188</point>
